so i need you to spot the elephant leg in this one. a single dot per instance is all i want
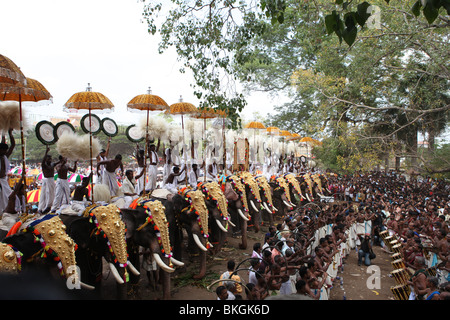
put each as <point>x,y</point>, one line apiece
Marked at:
<point>243,244</point>
<point>202,268</point>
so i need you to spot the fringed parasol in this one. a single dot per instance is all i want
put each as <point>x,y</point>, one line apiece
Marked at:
<point>147,102</point>
<point>89,100</point>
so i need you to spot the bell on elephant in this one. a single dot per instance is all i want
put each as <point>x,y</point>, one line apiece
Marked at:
<point>11,259</point>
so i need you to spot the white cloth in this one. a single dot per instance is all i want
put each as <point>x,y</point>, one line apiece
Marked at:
<point>193,178</point>
<point>47,193</point>
<point>102,169</point>
<point>140,183</point>
<point>8,220</point>
<point>62,194</point>
<point>152,175</point>
<point>5,191</point>
<point>110,179</point>
<point>172,187</point>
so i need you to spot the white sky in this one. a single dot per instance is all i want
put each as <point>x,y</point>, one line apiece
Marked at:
<point>67,44</point>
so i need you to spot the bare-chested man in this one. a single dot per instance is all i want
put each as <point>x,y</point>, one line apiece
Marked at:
<point>171,182</point>
<point>48,185</point>
<point>109,175</point>
<point>62,189</point>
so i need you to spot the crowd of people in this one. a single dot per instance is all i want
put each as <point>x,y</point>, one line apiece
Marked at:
<point>300,256</point>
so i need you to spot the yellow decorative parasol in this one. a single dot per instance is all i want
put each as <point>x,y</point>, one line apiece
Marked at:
<point>147,102</point>
<point>255,125</point>
<point>10,73</point>
<point>285,133</point>
<point>182,108</point>
<point>89,100</point>
<point>273,130</point>
<point>32,91</point>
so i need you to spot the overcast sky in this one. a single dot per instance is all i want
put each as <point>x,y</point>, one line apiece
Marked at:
<point>67,44</point>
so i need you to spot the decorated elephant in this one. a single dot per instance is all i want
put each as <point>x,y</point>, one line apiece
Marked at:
<point>188,211</point>
<point>43,242</point>
<point>266,192</point>
<point>219,218</point>
<point>282,195</point>
<point>254,199</point>
<point>100,233</point>
<point>148,227</point>
<point>238,207</point>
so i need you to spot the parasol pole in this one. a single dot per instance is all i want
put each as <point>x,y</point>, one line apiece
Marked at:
<point>184,153</point>
<point>203,149</point>
<point>23,152</point>
<point>145,153</point>
<point>90,154</point>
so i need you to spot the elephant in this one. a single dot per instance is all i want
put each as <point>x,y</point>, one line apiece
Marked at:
<point>282,195</point>
<point>148,227</point>
<point>100,233</point>
<point>266,192</point>
<point>219,217</point>
<point>254,198</point>
<point>42,237</point>
<point>238,208</point>
<point>188,210</point>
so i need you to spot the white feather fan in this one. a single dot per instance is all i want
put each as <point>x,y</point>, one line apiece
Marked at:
<point>10,117</point>
<point>76,147</point>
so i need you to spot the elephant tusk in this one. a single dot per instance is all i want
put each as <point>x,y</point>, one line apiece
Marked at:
<point>292,205</point>
<point>266,207</point>
<point>275,208</point>
<point>199,243</point>
<point>86,286</point>
<point>232,224</point>
<point>287,204</point>
<point>253,205</point>
<point>221,226</point>
<point>242,215</point>
<point>161,263</point>
<point>176,262</point>
<point>116,273</point>
<point>133,269</point>
<point>307,196</point>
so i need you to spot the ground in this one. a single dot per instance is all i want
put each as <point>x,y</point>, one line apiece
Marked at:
<point>355,284</point>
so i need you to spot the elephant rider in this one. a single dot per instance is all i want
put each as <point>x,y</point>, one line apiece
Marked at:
<point>171,182</point>
<point>152,168</point>
<point>5,152</point>
<point>62,189</point>
<point>48,182</point>
<point>109,175</point>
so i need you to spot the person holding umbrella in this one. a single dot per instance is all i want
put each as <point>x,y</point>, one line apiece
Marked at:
<point>48,183</point>
<point>5,153</point>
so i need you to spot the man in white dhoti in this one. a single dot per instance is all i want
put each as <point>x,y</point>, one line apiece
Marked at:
<point>62,188</point>
<point>102,156</point>
<point>5,152</point>
<point>167,163</point>
<point>152,168</point>
<point>194,175</point>
<point>140,177</point>
<point>48,183</point>
<point>109,177</point>
<point>128,189</point>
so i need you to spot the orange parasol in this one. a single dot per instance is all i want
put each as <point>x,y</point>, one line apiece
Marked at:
<point>89,100</point>
<point>182,108</point>
<point>30,90</point>
<point>285,133</point>
<point>147,102</point>
<point>272,130</point>
<point>10,73</point>
<point>255,125</point>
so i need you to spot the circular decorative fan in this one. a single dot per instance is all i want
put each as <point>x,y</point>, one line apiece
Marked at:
<point>96,124</point>
<point>45,132</point>
<point>62,127</point>
<point>134,134</point>
<point>109,127</point>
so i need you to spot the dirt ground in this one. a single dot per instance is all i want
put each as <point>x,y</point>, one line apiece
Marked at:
<point>185,288</point>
